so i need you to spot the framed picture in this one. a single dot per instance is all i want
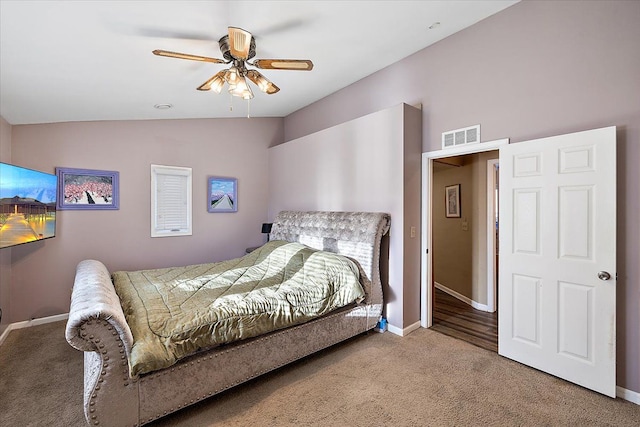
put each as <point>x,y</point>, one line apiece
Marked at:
<point>452,201</point>
<point>222,194</point>
<point>85,189</point>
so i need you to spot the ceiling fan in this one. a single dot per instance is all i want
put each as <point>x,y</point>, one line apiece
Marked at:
<point>237,48</point>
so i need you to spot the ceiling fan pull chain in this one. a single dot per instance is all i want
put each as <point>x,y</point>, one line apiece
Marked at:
<point>248,108</point>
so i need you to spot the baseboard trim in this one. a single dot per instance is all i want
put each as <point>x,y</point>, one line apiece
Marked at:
<point>403,332</point>
<point>5,334</point>
<point>32,322</point>
<point>631,396</point>
<point>464,299</point>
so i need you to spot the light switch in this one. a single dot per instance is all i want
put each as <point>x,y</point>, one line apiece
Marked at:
<point>413,232</point>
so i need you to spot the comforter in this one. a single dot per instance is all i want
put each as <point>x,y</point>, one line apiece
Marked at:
<point>175,312</point>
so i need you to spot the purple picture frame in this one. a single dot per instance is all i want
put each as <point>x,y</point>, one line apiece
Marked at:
<point>87,189</point>
<point>222,194</point>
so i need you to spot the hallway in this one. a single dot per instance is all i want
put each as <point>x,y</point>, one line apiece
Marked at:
<point>459,320</point>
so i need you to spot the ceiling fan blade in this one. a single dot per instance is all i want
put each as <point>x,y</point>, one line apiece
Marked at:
<point>284,64</point>
<point>262,82</point>
<point>187,56</point>
<point>216,82</point>
<point>239,42</point>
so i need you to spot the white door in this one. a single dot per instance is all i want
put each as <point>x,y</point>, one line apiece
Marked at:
<point>557,299</point>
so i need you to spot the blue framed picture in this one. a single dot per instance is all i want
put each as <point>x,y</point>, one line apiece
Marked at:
<point>222,194</point>
<point>86,189</point>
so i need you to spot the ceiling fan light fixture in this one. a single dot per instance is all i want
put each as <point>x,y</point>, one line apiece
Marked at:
<point>241,89</point>
<point>248,94</point>
<point>233,76</point>
<point>262,82</point>
<point>237,48</point>
<point>217,84</point>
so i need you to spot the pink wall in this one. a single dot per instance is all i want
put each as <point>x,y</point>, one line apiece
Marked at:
<point>42,272</point>
<point>536,69</point>
<point>368,164</point>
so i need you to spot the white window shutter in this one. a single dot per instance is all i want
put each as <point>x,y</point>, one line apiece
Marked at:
<point>171,204</point>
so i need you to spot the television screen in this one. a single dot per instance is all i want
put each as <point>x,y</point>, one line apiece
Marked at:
<point>27,205</point>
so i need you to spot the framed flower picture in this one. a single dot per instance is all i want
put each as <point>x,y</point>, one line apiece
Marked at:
<point>87,189</point>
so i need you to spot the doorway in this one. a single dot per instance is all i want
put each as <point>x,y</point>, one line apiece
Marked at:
<point>428,213</point>
<point>464,243</point>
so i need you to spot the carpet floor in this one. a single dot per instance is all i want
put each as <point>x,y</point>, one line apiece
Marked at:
<point>423,379</point>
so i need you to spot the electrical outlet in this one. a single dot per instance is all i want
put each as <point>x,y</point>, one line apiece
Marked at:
<point>465,225</point>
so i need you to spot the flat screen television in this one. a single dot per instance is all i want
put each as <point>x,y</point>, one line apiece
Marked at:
<point>27,205</point>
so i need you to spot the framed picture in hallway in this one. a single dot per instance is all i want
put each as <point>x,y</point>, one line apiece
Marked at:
<point>452,201</point>
<point>222,194</point>
<point>87,189</point>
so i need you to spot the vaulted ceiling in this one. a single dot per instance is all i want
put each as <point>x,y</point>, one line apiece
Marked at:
<point>91,60</point>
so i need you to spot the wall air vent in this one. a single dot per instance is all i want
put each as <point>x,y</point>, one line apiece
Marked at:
<point>458,137</point>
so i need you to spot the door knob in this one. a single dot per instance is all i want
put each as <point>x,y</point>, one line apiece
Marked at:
<point>603,275</point>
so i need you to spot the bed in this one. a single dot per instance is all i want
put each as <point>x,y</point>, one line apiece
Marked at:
<point>117,395</point>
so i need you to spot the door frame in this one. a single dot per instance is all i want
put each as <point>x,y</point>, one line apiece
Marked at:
<point>426,257</point>
<point>492,274</point>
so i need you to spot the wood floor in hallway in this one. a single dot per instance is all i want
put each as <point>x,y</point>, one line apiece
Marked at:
<point>459,320</point>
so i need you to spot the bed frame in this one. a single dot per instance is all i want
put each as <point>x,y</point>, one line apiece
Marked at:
<point>98,327</point>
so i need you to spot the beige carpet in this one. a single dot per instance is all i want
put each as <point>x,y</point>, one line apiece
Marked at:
<point>424,379</point>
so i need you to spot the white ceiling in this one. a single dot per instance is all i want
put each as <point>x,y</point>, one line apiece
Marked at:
<point>91,60</point>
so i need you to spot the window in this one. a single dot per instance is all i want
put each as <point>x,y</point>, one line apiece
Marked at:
<point>170,201</point>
